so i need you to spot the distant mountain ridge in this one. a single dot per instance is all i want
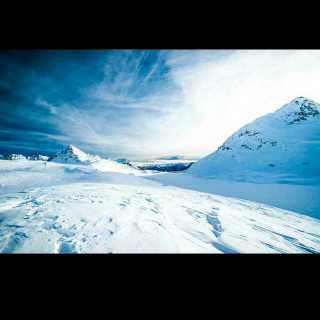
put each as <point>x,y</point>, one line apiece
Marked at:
<point>14,156</point>
<point>167,167</point>
<point>282,146</point>
<point>73,155</point>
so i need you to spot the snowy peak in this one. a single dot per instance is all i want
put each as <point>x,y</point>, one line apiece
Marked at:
<point>305,102</point>
<point>72,155</point>
<point>298,110</point>
<point>72,150</point>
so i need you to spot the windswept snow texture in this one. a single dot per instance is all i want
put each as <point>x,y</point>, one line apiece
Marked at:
<point>281,147</point>
<point>303,199</point>
<point>63,208</point>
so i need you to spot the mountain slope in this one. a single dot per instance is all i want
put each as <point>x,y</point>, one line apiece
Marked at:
<point>281,147</point>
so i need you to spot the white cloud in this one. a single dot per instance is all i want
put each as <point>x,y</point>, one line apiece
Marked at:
<point>225,90</point>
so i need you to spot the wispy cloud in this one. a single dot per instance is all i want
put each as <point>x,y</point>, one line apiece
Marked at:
<point>42,102</point>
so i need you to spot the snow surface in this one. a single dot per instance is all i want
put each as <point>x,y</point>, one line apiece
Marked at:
<point>65,208</point>
<point>303,199</point>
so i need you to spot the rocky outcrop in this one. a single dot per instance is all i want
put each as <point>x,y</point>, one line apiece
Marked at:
<point>125,161</point>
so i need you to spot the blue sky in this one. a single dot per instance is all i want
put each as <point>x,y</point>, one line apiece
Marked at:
<point>143,104</point>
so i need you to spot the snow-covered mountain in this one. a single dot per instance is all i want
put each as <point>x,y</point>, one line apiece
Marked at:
<point>14,156</point>
<point>282,147</point>
<point>73,155</point>
<point>38,156</point>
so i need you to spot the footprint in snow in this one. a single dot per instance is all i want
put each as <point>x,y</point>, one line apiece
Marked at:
<point>65,232</point>
<point>13,226</point>
<point>212,219</point>
<point>47,226</point>
<point>50,216</point>
<point>65,247</point>
<point>15,242</point>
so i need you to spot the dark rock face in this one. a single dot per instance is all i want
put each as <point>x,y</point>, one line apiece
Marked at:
<point>125,161</point>
<point>308,108</point>
<point>68,152</point>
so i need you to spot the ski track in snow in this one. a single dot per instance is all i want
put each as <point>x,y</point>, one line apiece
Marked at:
<point>70,211</point>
